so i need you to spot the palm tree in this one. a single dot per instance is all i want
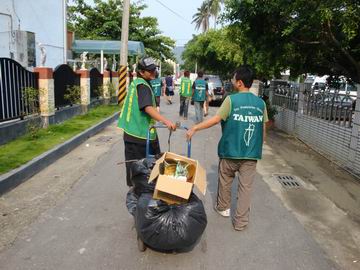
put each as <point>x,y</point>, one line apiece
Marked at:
<point>202,17</point>
<point>215,8</point>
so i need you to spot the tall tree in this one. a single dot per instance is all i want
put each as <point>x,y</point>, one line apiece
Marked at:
<point>202,17</point>
<point>103,21</point>
<point>307,36</point>
<point>215,51</point>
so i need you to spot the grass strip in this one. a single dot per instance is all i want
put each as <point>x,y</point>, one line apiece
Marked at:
<point>29,146</point>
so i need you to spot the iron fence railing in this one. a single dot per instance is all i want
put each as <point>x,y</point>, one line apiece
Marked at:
<point>330,105</point>
<point>286,97</point>
<point>19,94</point>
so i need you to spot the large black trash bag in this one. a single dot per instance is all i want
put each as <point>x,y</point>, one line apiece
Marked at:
<point>140,173</point>
<point>166,227</point>
<point>131,201</point>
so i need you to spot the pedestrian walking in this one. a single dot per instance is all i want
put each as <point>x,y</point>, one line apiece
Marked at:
<point>169,90</point>
<point>139,113</point>
<point>243,116</point>
<point>186,93</point>
<point>200,88</point>
<point>208,98</point>
<point>156,86</point>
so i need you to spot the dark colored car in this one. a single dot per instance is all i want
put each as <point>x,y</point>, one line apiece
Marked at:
<point>216,89</point>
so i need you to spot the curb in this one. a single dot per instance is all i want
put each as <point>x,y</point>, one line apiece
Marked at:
<point>19,175</point>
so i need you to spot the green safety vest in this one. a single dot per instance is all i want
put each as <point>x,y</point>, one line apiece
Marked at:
<point>242,132</point>
<point>156,86</point>
<point>133,121</point>
<point>200,88</point>
<point>185,87</point>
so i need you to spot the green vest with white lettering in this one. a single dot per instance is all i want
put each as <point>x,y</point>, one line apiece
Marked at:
<point>156,87</point>
<point>185,87</point>
<point>200,88</point>
<point>133,121</point>
<point>242,132</point>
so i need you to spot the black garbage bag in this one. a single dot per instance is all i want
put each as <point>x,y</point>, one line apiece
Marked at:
<point>131,201</point>
<point>166,227</point>
<point>140,173</point>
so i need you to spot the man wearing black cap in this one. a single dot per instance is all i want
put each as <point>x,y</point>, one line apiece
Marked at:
<point>139,113</point>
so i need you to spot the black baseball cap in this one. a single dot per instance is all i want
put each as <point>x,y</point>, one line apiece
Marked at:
<point>147,63</point>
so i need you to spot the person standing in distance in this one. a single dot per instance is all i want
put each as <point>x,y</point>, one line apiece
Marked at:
<point>200,94</point>
<point>139,113</point>
<point>156,85</point>
<point>186,93</point>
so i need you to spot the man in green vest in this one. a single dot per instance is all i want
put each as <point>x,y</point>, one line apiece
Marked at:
<point>186,93</point>
<point>139,113</point>
<point>243,116</point>
<point>200,94</point>
<point>156,86</point>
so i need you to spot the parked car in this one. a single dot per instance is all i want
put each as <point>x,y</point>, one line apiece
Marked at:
<point>216,89</point>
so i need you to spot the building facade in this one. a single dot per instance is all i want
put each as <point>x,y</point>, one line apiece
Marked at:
<point>28,25</point>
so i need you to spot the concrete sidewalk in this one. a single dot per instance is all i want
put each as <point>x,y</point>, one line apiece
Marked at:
<point>72,215</point>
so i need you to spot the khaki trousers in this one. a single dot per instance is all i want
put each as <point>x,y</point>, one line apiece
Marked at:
<point>227,170</point>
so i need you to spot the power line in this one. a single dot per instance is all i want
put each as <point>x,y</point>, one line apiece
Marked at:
<point>172,11</point>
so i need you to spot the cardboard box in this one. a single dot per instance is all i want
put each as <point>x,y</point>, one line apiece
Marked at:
<point>174,191</point>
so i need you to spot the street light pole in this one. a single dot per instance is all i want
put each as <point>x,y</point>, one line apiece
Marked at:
<point>125,33</point>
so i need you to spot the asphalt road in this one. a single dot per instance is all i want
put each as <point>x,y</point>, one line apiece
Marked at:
<point>88,226</point>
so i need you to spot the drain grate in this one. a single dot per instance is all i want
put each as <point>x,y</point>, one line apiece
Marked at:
<point>287,181</point>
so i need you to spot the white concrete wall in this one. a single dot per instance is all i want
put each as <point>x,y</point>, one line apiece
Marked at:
<point>43,17</point>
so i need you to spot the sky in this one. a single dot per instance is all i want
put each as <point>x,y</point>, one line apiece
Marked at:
<point>176,23</point>
<point>179,26</point>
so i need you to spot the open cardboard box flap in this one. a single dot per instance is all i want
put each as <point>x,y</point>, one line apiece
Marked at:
<point>199,179</point>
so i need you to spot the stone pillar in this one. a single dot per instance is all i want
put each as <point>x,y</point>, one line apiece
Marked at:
<point>355,131</point>
<point>301,98</point>
<point>46,95</point>
<point>271,91</point>
<point>85,89</point>
<point>106,83</point>
<point>255,87</point>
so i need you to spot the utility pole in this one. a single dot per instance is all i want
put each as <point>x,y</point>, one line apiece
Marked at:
<point>125,33</point>
<point>65,30</point>
<point>124,52</point>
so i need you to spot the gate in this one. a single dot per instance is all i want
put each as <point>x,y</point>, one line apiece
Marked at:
<point>64,77</point>
<point>96,82</point>
<point>14,79</point>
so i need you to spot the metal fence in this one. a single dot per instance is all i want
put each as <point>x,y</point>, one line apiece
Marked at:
<point>286,97</point>
<point>19,94</point>
<point>96,82</point>
<point>330,105</point>
<point>326,119</point>
<point>64,78</point>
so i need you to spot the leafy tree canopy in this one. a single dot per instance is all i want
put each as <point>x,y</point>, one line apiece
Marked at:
<point>214,52</point>
<point>103,21</point>
<point>307,36</point>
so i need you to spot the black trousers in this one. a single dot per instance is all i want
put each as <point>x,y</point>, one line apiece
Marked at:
<point>137,151</point>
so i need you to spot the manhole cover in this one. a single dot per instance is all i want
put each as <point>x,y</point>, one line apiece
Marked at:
<point>287,181</point>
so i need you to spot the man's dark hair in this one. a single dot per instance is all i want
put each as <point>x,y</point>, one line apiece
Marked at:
<point>186,73</point>
<point>200,74</point>
<point>245,74</point>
